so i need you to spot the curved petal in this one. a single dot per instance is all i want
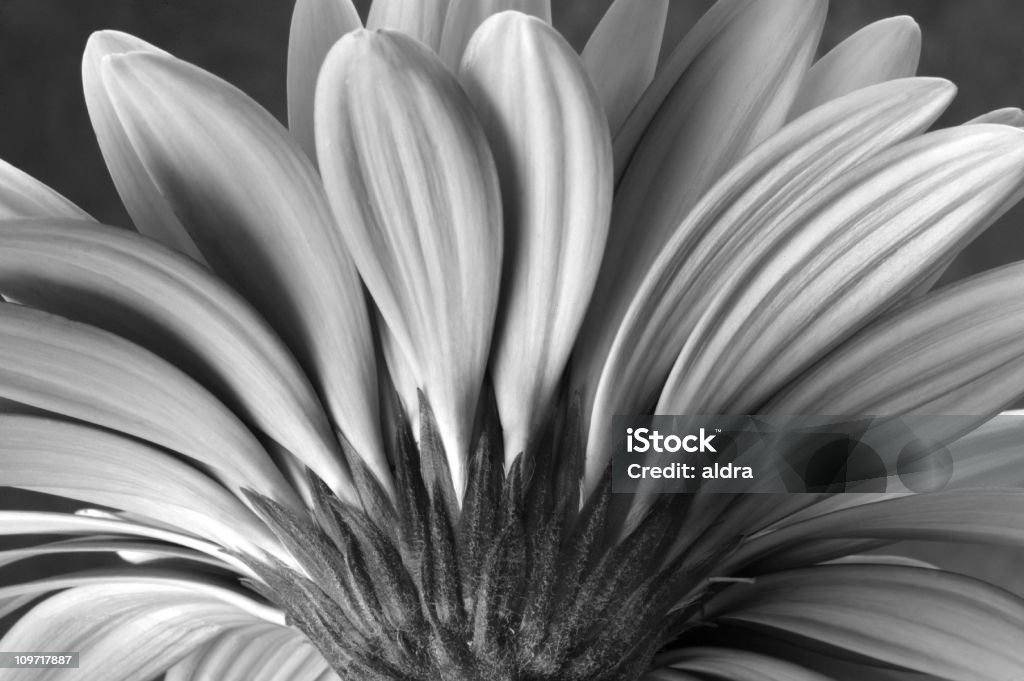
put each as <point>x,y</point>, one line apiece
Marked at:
<point>885,50</point>
<point>928,621</point>
<point>98,467</point>
<point>152,551</point>
<point>957,351</point>
<point>621,54</point>
<point>414,188</point>
<point>738,665</point>
<point>423,20</point>
<point>257,653</point>
<point>735,92</point>
<point>124,632</point>
<point>850,253</point>
<point>316,26</point>
<point>23,196</point>
<point>133,287</point>
<point>255,206</point>
<point>149,210</point>
<point>531,92</point>
<point>736,214</point>
<point>464,16</point>
<point>1006,116</point>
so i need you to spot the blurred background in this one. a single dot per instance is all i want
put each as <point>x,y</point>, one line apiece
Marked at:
<point>45,131</point>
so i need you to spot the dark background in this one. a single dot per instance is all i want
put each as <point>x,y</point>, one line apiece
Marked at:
<point>45,131</point>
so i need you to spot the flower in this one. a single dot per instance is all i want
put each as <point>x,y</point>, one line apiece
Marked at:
<point>341,408</point>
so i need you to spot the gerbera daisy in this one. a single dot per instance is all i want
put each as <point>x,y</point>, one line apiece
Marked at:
<point>340,404</point>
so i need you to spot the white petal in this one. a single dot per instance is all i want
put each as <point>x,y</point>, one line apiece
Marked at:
<point>141,197</point>
<point>846,256</point>
<point>743,65</point>
<point>255,206</point>
<point>738,665</point>
<point>885,50</point>
<point>933,622</point>
<point>152,550</point>
<point>22,196</point>
<point>1006,116</point>
<point>82,372</point>
<point>737,213</point>
<point>621,55</point>
<point>464,16</point>
<point>123,632</point>
<point>256,653</point>
<point>959,350</point>
<point>133,287</point>
<point>532,93</point>
<point>422,19</point>
<point>97,467</point>
<point>316,25</point>
<point>413,186</point>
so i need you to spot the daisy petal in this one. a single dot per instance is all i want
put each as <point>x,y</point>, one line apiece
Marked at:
<point>23,196</point>
<point>143,200</point>
<point>423,20</point>
<point>856,248</point>
<point>464,16</point>
<point>316,25</point>
<point>261,652</point>
<point>133,287</point>
<point>126,632</point>
<point>98,467</point>
<point>1007,116</point>
<point>255,206</point>
<point>738,70</point>
<point>737,213</point>
<point>153,550</point>
<point>622,54</point>
<point>531,92</point>
<point>737,665</point>
<point>414,188</point>
<point>933,622</point>
<point>739,84</point>
<point>82,372</point>
<point>885,50</point>
<point>959,350</point>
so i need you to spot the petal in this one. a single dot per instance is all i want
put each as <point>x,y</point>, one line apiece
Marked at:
<point>959,350</point>
<point>133,287</point>
<point>734,94</point>
<point>885,50</point>
<point>22,196</point>
<point>531,92</point>
<point>259,652</point>
<point>255,206</point>
<point>98,467</point>
<point>1007,116</point>
<point>149,210</point>
<point>91,375</point>
<point>124,631</point>
<point>316,25</point>
<point>413,186</point>
<point>423,20</point>
<point>933,622</point>
<point>973,517</point>
<point>153,551</point>
<point>753,51</point>
<point>850,253</point>
<point>738,665</point>
<point>621,55</point>
<point>464,16</point>
<point>737,213</point>
<point>42,522</point>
